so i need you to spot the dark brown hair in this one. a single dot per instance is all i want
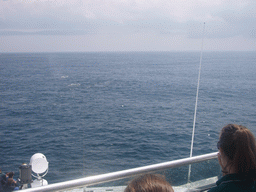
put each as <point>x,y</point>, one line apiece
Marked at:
<point>149,183</point>
<point>238,144</point>
<point>11,174</point>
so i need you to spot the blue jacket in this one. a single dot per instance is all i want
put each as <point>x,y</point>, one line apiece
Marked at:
<point>234,183</point>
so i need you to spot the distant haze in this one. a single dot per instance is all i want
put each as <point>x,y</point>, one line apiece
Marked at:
<point>127,25</point>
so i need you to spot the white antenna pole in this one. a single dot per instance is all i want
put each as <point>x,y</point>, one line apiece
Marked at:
<point>194,123</point>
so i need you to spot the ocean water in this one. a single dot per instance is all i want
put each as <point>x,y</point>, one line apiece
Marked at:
<point>93,113</point>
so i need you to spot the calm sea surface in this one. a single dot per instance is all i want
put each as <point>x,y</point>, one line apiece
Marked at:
<point>92,113</point>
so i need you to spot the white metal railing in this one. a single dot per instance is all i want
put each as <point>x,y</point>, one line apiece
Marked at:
<point>88,181</point>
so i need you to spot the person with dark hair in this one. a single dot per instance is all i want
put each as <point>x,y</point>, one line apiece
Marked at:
<point>3,180</point>
<point>149,183</point>
<point>237,158</point>
<point>11,183</point>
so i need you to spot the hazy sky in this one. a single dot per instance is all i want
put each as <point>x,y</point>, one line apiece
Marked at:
<point>126,25</point>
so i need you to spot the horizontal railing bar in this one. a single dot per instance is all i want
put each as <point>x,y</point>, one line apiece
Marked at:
<point>92,180</point>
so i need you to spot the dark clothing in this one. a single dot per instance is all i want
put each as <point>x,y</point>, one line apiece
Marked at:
<point>3,181</point>
<point>234,182</point>
<point>11,185</point>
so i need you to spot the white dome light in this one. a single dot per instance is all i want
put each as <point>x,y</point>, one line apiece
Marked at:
<point>39,163</point>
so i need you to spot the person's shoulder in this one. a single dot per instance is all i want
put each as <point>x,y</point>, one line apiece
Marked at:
<point>234,187</point>
<point>224,187</point>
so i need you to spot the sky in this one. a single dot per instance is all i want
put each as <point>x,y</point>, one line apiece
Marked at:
<point>127,25</point>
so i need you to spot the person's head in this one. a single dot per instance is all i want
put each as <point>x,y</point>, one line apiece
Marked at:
<point>237,145</point>
<point>11,174</point>
<point>149,183</point>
